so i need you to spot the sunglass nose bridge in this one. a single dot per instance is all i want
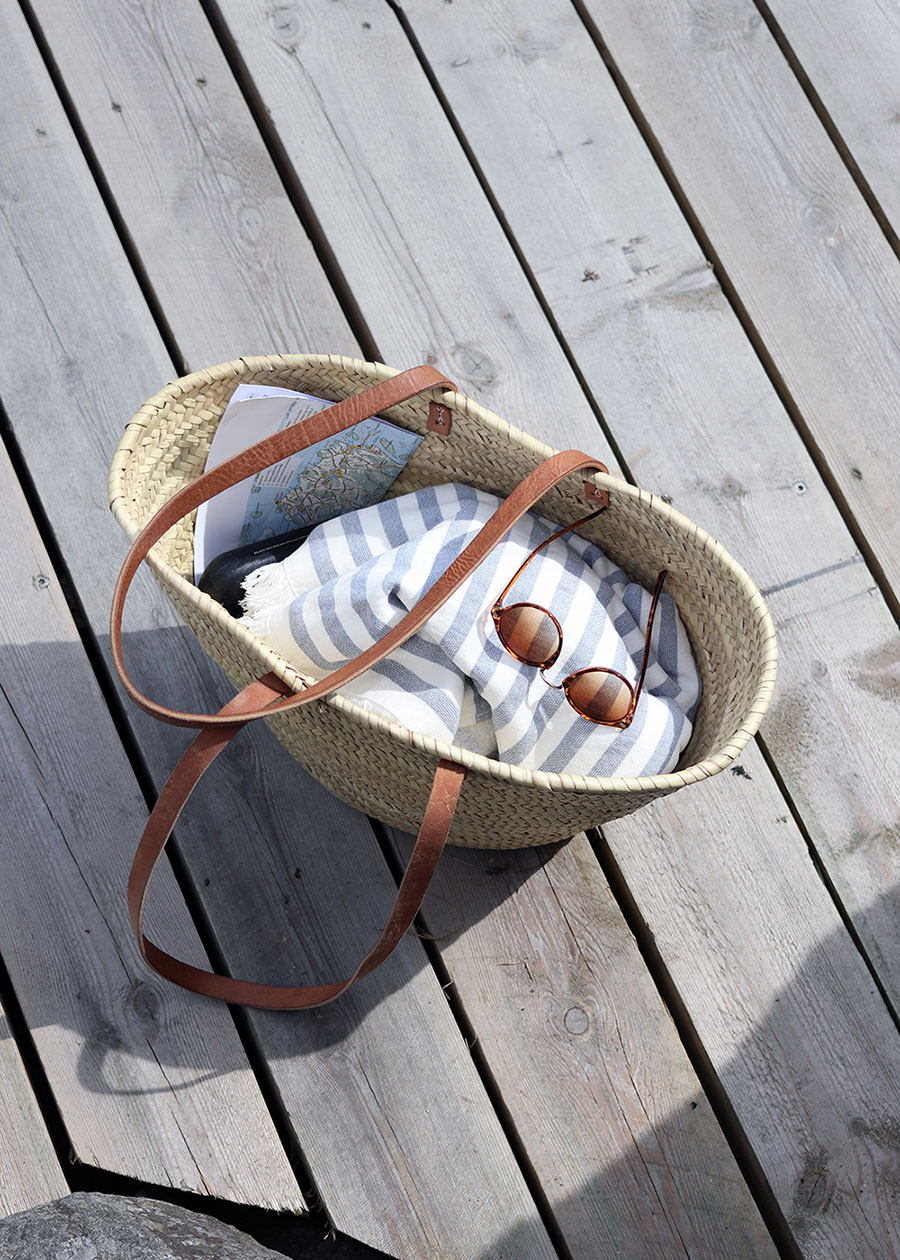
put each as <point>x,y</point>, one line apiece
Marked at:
<point>555,686</point>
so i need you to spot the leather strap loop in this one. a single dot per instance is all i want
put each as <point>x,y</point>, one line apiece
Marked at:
<point>199,756</point>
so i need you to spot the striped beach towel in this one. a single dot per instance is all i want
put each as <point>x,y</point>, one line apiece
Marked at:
<point>357,575</point>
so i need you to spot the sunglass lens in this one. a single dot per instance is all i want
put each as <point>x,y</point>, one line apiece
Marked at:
<point>529,633</point>
<point>599,695</point>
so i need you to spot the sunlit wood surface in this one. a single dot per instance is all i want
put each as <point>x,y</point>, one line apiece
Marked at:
<point>660,232</point>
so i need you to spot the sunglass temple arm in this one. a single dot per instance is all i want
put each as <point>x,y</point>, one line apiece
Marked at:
<point>656,593</point>
<point>565,529</point>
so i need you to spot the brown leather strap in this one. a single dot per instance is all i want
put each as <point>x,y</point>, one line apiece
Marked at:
<point>270,694</point>
<point>203,751</point>
<point>248,462</point>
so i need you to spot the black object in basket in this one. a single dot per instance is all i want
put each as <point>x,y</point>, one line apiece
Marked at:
<point>223,577</point>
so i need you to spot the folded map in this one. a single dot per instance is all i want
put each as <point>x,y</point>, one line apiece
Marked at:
<point>351,470</point>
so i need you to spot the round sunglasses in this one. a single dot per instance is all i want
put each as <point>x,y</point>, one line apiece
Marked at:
<point>531,634</point>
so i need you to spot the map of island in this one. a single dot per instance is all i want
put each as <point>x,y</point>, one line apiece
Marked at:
<point>339,474</point>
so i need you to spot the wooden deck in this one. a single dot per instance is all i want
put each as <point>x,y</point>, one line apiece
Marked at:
<point>662,232</point>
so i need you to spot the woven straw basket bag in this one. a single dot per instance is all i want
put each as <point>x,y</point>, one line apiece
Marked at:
<point>374,764</point>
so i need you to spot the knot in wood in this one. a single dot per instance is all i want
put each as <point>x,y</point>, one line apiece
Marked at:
<point>576,1020</point>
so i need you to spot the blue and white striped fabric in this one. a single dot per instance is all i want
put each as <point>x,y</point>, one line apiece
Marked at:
<point>356,576</point>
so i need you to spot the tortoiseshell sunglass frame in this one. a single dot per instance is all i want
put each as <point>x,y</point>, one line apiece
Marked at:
<point>498,609</point>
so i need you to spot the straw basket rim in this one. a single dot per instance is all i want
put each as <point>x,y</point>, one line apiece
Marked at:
<point>477,763</point>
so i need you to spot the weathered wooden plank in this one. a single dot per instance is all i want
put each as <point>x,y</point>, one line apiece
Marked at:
<point>586,1057</point>
<point>808,261</point>
<point>29,1170</point>
<point>149,1082</point>
<point>425,159</point>
<point>691,409</point>
<point>403,1144</point>
<point>831,42</point>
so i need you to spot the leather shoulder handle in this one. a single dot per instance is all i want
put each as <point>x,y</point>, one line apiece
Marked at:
<point>271,694</point>
<point>194,762</point>
<point>245,464</point>
<point>286,442</point>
